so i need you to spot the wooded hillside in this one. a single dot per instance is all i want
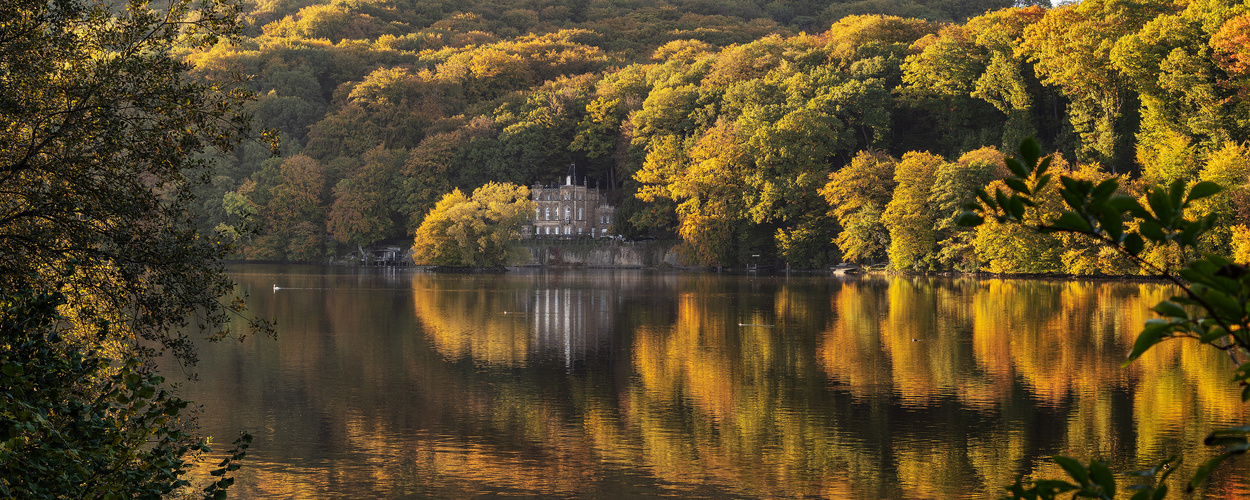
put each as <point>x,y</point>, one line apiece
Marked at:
<point>809,132</point>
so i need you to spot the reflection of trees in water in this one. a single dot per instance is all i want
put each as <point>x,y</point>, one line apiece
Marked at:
<point>1037,364</point>
<point>830,397</point>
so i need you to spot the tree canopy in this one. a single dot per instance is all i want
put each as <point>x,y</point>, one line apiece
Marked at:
<point>793,92</point>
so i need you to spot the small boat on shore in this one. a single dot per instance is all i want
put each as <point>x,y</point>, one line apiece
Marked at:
<point>846,268</point>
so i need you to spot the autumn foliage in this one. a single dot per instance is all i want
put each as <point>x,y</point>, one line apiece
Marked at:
<point>732,128</point>
<point>475,231</point>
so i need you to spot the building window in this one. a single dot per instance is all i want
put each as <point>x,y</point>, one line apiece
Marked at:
<point>538,213</point>
<point>579,231</point>
<point>579,213</point>
<point>568,214</point>
<point>547,214</point>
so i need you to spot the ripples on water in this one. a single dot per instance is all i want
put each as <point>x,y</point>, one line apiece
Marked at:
<point>631,384</point>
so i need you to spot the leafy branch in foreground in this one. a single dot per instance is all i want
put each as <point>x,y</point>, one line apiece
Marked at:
<point>102,132</point>
<point>77,424</point>
<point>1214,308</point>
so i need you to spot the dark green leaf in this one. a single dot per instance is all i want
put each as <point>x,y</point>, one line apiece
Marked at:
<point>1042,167</point>
<point>1069,221</point>
<point>1105,188</point>
<point>1152,231</point>
<point>986,199</point>
<point>1017,185</point>
<point>1112,225</point>
<point>1161,205</point>
<point>1224,305</point>
<point>1101,475</point>
<point>1134,244</point>
<point>1168,308</point>
<point>969,219</point>
<point>1156,331</point>
<point>1176,194</point>
<point>1043,179</point>
<point>1030,151</point>
<point>1202,190</point>
<point>1128,204</point>
<point>1214,334</point>
<point>1071,184</point>
<point>1189,235</point>
<point>1017,207</point>
<point>1017,168</point>
<point>1074,468</point>
<point>1074,200</point>
<point>1224,440</point>
<point>1205,469</point>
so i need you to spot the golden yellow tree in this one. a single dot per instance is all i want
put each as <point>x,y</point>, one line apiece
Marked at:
<point>477,231</point>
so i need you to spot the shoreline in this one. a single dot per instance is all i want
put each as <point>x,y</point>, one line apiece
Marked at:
<point>1127,278</point>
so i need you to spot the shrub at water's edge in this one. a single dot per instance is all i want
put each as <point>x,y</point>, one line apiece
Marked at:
<point>477,231</point>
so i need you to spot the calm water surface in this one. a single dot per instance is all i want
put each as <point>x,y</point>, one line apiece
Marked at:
<point>635,384</point>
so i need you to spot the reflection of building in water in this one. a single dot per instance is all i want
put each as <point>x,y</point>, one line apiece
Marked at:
<point>572,323</point>
<point>526,318</point>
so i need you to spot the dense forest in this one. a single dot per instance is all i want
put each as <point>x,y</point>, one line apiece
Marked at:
<point>808,132</point>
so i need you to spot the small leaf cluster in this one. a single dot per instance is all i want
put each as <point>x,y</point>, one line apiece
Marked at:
<point>1029,178</point>
<point>1095,481</point>
<point>217,489</point>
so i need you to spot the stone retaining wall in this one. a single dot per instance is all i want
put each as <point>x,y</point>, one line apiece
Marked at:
<point>600,253</point>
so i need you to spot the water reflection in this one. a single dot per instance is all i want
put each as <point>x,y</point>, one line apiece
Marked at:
<point>607,384</point>
<point>505,322</point>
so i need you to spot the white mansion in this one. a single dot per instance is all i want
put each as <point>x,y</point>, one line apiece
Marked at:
<point>569,211</point>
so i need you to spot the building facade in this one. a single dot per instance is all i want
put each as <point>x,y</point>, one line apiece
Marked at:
<point>569,210</point>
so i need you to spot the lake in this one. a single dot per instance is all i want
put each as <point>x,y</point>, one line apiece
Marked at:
<point>639,384</point>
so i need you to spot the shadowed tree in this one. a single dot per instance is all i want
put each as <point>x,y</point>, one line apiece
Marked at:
<point>909,216</point>
<point>363,211</point>
<point>100,135</point>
